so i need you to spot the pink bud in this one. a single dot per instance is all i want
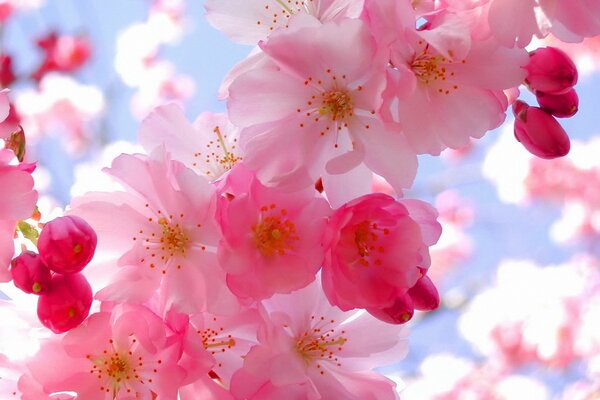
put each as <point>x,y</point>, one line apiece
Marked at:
<point>550,70</point>
<point>398,313</point>
<point>30,274</point>
<point>67,304</point>
<point>560,105</point>
<point>540,132</point>
<point>424,295</point>
<point>67,244</point>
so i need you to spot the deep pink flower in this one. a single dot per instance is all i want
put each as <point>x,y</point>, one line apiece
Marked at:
<point>310,350</point>
<point>124,354</point>
<point>376,249</point>
<point>67,303</point>
<point>30,274</point>
<point>67,244</point>
<point>560,105</point>
<point>271,239</point>
<point>316,110</point>
<point>539,132</point>
<point>550,70</point>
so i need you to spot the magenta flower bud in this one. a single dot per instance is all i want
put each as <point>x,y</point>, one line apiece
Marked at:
<point>30,274</point>
<point>540,132</point>
<point>67,304</point>
<point>550,70</point>
<point>560,105</point>
<point>67,244</point>
<point>424,295</point>
<point>400,312</point>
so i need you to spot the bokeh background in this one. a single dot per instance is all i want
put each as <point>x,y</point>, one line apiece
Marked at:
<point>518,264</point>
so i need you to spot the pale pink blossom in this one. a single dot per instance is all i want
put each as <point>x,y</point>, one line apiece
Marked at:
<point>60,107</point>
<point>310,350</point>
<point>161,83</point>
<point>316,109</point>
<point>163,232</point>
<point>459,79</point>
<point>228,340</point>
<point>209,146</point>
<point>271,239</point>
<point>248,21</point>
<point>123,354</point>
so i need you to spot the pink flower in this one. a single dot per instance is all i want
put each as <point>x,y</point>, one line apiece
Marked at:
<point>67,244</point>
<point>550,70</point>
<point>66,304</point>
<point>310,350</point>
<point>445,84</point>
<point>248,21</point>
<point>228,340</point>
<point>271,239</point>
<point>123,354</point>
<point>376,250</point>
<point>163,232</point>
<point>312,106</point>
<point>539,132</point>
<point>30,274</point>
<point>209,147</point>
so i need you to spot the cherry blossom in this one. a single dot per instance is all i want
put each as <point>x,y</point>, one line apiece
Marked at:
<point>445,69</point>
<point>209,146</point>
<point>248,21</point>
<point>376,250</point>
<point>310,117</point>
<point>271,240</point>
<point>113,355</point>
<point>308,349</point>
<point>165,234</point>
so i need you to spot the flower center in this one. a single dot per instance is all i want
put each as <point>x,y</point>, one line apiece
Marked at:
<point>428,67</point>
<point>320,343</point>
<point>274,234</point>
<point>219,156</point>
<point>116,370</point>
<point>337,104</point>
<point>174,239</point>
<point>366,237</point>
<point>215,341</point>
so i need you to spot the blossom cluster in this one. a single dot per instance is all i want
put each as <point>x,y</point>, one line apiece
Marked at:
<point>257,254</point>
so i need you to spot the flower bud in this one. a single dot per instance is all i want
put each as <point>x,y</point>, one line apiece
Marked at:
<point>560,105</point>
<point>400,312</point>
<point>550,70</point>
<point>67,244</point>
<point>67,304</point>
<point>424,295</point>
<point>540,132</point>
<point>30,274</point>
